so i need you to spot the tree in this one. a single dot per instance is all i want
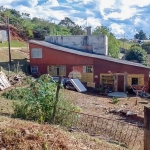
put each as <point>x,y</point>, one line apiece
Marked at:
<point>137,54</point>
<point>140,35</point>
<point>146,46</point>
<point>67,22</point>
<point>72,27</point>
<point>113,43</point>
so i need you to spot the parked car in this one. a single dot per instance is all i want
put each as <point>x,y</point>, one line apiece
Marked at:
<point>65,83</point>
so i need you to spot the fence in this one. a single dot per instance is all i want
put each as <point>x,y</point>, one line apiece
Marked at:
<point>125,134</point>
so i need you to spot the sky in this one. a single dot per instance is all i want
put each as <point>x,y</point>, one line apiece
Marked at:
<point>124,17</point>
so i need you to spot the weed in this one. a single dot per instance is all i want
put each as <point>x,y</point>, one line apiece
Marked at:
<point>115,100</point>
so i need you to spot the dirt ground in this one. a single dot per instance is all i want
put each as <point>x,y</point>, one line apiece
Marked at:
<point>99,105</point>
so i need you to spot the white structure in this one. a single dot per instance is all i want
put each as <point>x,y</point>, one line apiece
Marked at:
<point>3,36</point>
<point>97,44</point>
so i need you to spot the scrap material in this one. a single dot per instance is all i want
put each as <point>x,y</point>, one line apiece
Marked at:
<point>78,85</point>
<point>4,83</point>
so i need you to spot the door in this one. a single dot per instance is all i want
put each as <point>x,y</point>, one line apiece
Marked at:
<point>120,83</point>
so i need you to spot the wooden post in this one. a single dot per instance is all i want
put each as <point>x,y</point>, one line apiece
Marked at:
<point>57,99</point>
<point>1,69</point>
<point>146,128</point>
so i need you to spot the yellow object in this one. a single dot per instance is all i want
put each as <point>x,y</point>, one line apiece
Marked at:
<point>86,77</point>
<point>91,84</point>
<point>140,78</point>
<point>106,79</point>
<point>56,70</point>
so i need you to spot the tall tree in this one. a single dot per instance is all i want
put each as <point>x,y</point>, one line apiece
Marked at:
<point>140,35</point>
<point>72,27</point>
<point>113,43</point>
<point>67,22</point>
<point>146,46</point>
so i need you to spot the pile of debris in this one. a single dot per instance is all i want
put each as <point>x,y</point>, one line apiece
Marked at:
<point>128,115</point>
<point>16,79</point>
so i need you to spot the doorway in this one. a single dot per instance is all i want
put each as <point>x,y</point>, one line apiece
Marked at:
<point>120,83</point>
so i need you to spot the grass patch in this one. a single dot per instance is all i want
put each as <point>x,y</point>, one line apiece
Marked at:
<point>126,45</point>
<point>14,44</point>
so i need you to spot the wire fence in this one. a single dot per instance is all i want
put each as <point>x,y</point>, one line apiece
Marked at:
<point>125,134</point>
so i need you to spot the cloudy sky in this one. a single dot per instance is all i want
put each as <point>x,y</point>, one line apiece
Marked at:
<point>121,16</point>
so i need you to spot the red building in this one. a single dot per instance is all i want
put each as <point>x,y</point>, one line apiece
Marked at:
<point>57,60</point>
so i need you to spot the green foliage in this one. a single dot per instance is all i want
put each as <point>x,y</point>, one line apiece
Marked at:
<point>141,35</point>
<point>137,54</point>
<point>14,44</point>
<point>113,43</point>
<point>16,94</point>
<point>37,103</point>
<point>72,27</point>
<point>115,100</point>
<point>146,47</point>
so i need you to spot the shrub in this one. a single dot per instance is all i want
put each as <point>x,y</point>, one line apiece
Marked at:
<point>39,103</point>
<point>115,100</point>
<point>16,93</point>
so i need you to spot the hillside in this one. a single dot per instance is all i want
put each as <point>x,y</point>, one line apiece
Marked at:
<point>24,135</point>
<point>15,34</point>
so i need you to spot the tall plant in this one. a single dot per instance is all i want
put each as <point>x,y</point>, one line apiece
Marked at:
<point>39,102</point>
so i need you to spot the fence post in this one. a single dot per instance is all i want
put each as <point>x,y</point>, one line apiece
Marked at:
<point>57,99</point>
<point>146,128</point>
<point>1,68</point>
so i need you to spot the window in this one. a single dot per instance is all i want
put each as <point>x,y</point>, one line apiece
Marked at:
<point>34,69</point>
<point>134,81</point>
<point>57,70</point>
<point>106,79</point>
<point>36,53</point>
<point>87,69</point>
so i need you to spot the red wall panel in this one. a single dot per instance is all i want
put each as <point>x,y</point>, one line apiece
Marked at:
<point>56,57</point>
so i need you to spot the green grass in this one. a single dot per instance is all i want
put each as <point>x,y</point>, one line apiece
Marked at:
<point>14,44</point>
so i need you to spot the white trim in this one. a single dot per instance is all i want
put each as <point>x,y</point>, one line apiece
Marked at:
<point>34,67</point>
<point>36,53</point>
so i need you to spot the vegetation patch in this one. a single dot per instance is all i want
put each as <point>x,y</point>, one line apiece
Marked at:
<point>38,102</point>
<point>14,43</point>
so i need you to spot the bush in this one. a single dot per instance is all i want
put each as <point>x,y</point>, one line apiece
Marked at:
<point>16,93</point>
<point>137,54</point>
<point>39,103</point>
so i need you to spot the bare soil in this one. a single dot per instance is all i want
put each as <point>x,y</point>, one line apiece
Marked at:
<point>98,105</point>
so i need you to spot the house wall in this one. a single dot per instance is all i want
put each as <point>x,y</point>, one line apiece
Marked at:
<point>97,44</point>
<point>54,57</point>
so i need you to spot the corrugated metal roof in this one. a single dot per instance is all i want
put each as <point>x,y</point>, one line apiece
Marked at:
<point>61,48</point>
<point>4,83</point>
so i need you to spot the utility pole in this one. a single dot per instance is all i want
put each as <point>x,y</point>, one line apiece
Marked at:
<point>8,35</point>
<point>123,39</point>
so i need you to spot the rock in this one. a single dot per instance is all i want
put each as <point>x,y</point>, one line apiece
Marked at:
<point>129,113</point>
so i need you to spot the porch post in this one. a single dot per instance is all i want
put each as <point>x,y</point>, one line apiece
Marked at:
<point>125,81</point>
<point>116,83</point>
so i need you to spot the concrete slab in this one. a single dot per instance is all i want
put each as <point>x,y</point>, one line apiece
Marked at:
<point>117,94</point>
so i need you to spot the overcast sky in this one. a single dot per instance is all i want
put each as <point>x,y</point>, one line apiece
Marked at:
<point>121,16</point>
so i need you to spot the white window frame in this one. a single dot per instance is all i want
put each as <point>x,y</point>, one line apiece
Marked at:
<point>36,52</point>
<point>34,68</point>
<point>86,69</point>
